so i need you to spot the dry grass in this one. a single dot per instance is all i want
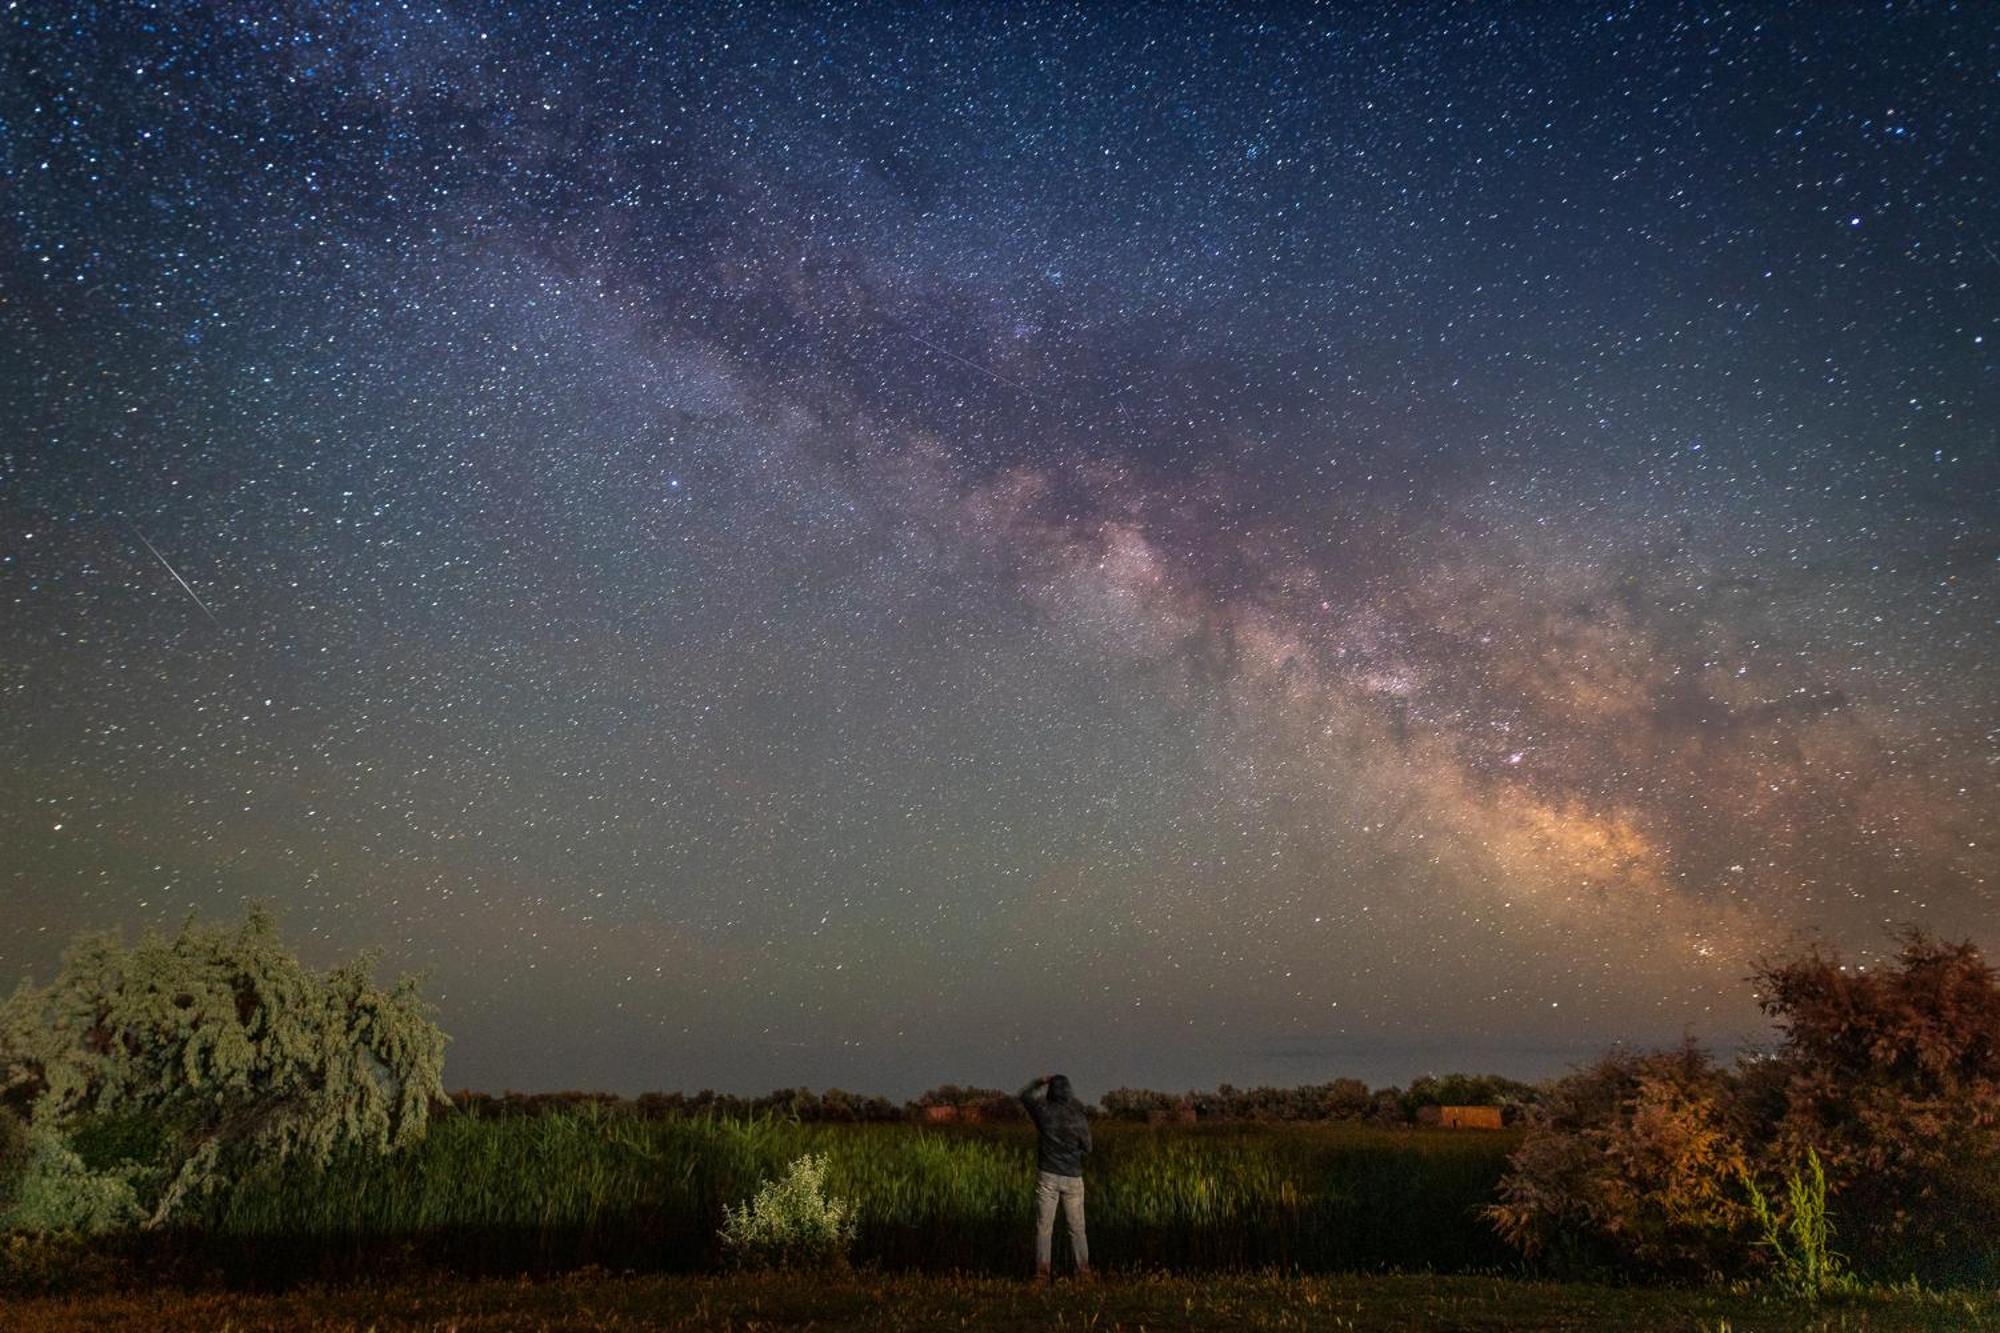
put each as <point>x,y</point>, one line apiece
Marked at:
<point>906,1304</point>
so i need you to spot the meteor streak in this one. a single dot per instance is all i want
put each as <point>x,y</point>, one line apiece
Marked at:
<point>967,361</point>
<point>178,579</point>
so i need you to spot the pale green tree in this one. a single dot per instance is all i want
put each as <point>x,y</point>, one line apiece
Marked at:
<point>219,1036</point>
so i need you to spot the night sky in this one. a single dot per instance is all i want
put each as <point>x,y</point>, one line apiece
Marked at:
<point>867,546</point>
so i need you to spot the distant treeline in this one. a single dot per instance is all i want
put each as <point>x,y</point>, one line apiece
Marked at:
<point>1342,1099</point>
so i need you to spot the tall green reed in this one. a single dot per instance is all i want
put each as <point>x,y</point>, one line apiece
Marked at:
<point>556,1191</point>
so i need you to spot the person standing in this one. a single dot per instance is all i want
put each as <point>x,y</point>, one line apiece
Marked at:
<point>1063,1141</point>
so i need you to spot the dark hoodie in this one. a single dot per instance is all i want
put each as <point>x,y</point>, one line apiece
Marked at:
<point>1063,1129</point>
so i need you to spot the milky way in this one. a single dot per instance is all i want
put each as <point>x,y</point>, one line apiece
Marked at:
<point>762,546</point>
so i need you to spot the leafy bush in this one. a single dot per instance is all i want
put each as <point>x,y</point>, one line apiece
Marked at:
<point>55,1190</point>
<point>834,1105</point>
<point>1893,1076</point>
<point>1340,1099</point>
<point>1889,1077</point>
<point>221,1045</point>
<point>1141,1104</point>
<point>984,1104</point>
<point>1631,1163</point>
<point>1468,1090</point>
<point>791,1222</point>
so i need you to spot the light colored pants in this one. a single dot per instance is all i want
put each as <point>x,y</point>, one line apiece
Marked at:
<point>1050,1187</point>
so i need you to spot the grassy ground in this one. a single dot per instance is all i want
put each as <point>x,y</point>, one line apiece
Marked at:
<point>558,1192</point>
<point>906,1304</point>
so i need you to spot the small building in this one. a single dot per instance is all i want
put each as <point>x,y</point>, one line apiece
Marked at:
<point>1470,1117</point>
<point>940,1115</point>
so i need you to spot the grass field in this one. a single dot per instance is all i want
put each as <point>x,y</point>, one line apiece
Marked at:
<point>910,1303</point>
<point>541,1195</point>
<point>604,1221</point>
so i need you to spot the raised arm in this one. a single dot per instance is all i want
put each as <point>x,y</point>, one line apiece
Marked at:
<point>1028,1098</point>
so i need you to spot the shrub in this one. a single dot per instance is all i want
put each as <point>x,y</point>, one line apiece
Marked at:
<point>1890,1078</point>
<point>56,1192</point>
<point>1346,1099</point>
<point>1467,1090</point>
<point>984,1104</point>
<point>1893,1076</point>
<point>791,1222</point>
<point>1631,1163</point>
<point>222,1039</point>
<point>1139,1104</point>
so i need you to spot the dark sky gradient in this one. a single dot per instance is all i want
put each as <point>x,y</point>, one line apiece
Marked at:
<point>880,546</point>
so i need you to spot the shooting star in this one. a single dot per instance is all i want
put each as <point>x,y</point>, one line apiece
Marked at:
<point>178,579</point>
<point>965,361</point>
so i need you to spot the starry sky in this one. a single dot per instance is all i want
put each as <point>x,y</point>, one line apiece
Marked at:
<point>877,545</point>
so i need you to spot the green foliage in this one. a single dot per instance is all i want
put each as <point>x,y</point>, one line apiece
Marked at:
<point>107,1141</point>
<point>221,1039</point>
<point>56,1192</point>
<point>1468,1090</point>
<point>1799,1245</point>
<point>791,1222</point>
<point>560,1190</point>
<point>13,1153</point>
<point>1341,1099</point>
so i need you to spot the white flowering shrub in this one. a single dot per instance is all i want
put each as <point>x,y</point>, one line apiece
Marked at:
<point>791,1222</point>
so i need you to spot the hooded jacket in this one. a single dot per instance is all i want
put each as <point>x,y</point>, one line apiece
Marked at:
<point>1061,1126</point>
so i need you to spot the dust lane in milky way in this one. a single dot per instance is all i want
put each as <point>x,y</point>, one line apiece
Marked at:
<point>876,548</point>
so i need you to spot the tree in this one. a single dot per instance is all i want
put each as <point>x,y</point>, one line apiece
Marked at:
<point>1467,1090</point>
<point>1888,1076</point>
<point>233,1051</point>
<point>1138,1103</point>
<point>1893,1076</point>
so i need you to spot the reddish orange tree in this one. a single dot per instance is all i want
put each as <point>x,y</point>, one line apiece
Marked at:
<point>1893,1075</point>
<point>1890,1074</point>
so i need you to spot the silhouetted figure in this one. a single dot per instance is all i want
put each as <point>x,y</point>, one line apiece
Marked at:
<point>1064,1141</point>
